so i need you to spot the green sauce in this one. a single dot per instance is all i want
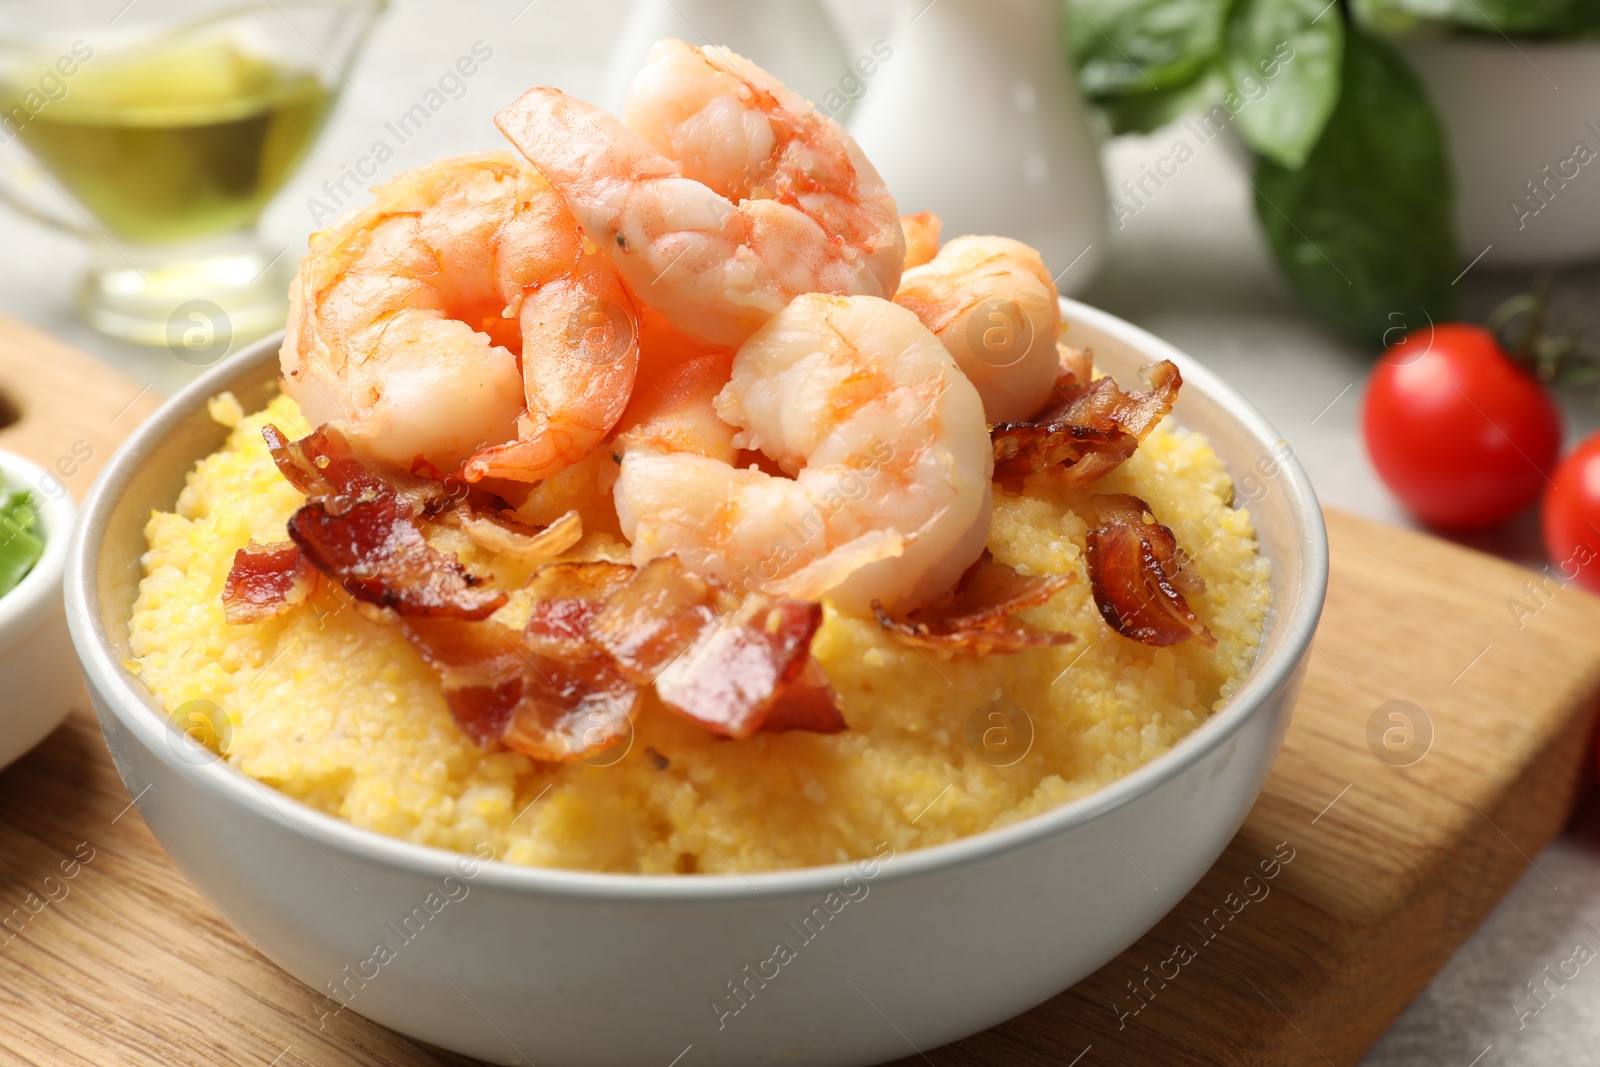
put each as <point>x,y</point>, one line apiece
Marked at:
<point>20,543</point>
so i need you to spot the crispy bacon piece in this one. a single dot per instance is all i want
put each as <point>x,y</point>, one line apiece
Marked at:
<point>1138,581</point>
<point>322,464</point>
<point>374,549</point>
<point>737,670</point>
<point>1076,368</point>
<point>569,683</point>
<point>500,691</point>
<point>567,597</point>
<point>805,702</point>
<point>545,691</point>
<point>657,616</point>
<point>466,655</point>
<point>978,615</point>
<point>325,466</point>
<point>1095,428</point>
<point>359,527</point>
<point>726,664</point>
<point>484,712</point>
<point>266,580</point>
<point>571,708</point>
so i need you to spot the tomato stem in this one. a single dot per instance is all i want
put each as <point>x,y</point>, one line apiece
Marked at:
<point>1564,358</point>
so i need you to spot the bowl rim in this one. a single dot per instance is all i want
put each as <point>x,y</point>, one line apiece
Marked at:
<point>24,608</point>
<point>121,694</point>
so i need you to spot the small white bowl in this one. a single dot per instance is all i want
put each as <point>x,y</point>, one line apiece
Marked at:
<point>574,968</point>
<point>39,673</point>
<point>1511,110</point>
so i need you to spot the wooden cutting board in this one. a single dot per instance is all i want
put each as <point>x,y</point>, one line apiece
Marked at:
<point>1393,866</point>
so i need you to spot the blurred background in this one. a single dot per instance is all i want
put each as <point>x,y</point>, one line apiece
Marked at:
<point>1282,189</point>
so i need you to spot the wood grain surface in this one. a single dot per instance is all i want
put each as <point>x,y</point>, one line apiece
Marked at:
<point>1378,870</point>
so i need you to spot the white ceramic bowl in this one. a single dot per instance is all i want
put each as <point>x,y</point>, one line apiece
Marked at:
<point>568,968</point>
<point>39,674</point>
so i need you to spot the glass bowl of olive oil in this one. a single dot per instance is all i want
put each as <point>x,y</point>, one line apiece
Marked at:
<point>160,136</point>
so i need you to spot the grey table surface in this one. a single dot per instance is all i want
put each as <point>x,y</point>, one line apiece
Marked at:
<point>1191,267</point>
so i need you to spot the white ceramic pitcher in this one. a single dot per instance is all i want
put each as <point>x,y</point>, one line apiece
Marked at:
<point>793,39</point>
<point>976,116</point>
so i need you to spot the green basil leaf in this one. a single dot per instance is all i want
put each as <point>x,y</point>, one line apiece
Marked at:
<point>20,545</point>
<point>1363,229</point>
<point>1528,18</point>
<point>1282,61</point>
<point>1151,111</point>
<point>1123,47</point>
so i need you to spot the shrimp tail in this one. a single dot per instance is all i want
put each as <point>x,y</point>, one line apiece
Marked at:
<point>527,459</point>
<point>580,354</point>
<point>922,237</point>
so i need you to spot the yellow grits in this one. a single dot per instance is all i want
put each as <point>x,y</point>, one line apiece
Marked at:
<point>340,713</point>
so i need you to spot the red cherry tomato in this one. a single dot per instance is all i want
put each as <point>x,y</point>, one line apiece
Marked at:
<point>1572,516</point>
<point>1460,433</point>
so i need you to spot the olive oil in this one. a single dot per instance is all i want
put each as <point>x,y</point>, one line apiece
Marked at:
<point>179,144</point>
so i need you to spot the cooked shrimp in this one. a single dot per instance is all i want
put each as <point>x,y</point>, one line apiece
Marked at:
<point>883,459</point>
<point>662,347</point>
<point>922,237</point>
<point>729,196</point>
<point>460,321</point>
<point>993,304</point>
<point>675,411</point>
